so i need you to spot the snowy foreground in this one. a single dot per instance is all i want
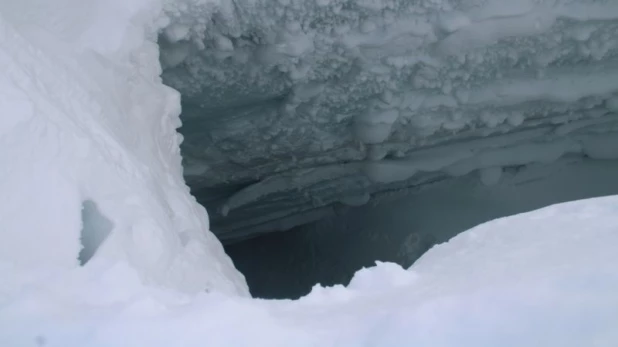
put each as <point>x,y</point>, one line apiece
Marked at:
<point>101,243</point>
<point>545,278</point>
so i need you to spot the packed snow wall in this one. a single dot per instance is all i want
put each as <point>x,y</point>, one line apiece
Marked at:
<point>91,168</point>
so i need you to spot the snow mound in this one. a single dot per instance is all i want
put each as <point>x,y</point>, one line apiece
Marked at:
<point>544,278</point>
<point>90,150</point>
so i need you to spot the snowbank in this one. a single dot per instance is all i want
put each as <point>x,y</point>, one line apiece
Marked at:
<point>90,151</point>
<point>545,278</point>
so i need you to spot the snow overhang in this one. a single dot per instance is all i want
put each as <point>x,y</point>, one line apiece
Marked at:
<point>294,109</point>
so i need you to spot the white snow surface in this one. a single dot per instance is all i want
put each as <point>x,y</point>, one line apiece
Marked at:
<point>89,150</point>
<point>544,278</point>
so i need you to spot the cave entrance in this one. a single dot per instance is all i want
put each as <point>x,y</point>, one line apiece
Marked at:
<point>400,229</point>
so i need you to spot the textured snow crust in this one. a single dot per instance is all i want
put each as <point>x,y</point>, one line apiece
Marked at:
<point>90,153</point>
<point>545,278</point>
<point>294,107</point>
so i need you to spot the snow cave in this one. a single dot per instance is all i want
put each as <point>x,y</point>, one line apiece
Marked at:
<point>436,173</point>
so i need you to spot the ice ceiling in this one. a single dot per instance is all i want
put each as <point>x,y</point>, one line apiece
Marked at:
<point>295,109</point>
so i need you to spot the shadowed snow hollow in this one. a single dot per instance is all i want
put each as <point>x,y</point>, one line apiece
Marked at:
<point>293,109</point>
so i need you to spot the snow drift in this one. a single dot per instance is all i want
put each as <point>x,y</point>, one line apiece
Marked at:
<point>89,149</point>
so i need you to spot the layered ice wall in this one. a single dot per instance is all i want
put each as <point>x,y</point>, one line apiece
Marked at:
<point>91,169</point>
<point>296,106</point>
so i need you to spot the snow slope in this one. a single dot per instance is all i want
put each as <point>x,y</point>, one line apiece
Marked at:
<point>544,278</point>
<point>89,150</point>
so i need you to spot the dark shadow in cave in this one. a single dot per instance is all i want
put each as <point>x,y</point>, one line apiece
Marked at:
<point>284,265</point>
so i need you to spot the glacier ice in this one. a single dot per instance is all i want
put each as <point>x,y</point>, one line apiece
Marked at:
<point>89,148</point>
<point>289,107</point>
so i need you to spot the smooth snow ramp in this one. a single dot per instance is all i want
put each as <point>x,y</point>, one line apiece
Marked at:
<point>85,118</point>
<point>540,279</point>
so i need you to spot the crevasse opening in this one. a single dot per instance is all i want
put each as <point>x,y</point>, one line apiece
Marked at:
<point>400,227</point>
<point>95,229</point>
<point>90,151</point>
<point>381,126</point>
